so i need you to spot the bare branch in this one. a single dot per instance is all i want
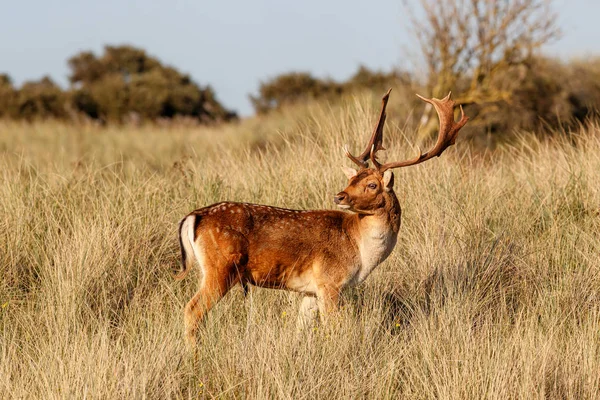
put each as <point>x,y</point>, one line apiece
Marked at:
<point>474,40</point>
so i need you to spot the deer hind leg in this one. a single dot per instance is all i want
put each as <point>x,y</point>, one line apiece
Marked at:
<point>213,289</point>
<point>222,266</point>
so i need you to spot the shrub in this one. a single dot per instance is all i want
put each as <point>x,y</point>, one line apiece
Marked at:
<point>299,87</point>
<point>125,80</point>
<point>40,99</point>
<point>545,93</point>
<point>7,96</point>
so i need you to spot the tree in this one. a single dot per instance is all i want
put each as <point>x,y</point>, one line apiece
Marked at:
<point>126,80</point>
<point>85,68</point>
<point>123,82</point>
<point>290,88</point>
<point>467,44</point>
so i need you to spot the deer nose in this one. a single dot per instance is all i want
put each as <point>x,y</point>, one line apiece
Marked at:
<point>338,198</point>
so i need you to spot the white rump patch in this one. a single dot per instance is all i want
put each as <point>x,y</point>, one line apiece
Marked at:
<point>188,226</point>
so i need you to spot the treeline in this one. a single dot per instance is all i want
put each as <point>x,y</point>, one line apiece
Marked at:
<point>124,83</point>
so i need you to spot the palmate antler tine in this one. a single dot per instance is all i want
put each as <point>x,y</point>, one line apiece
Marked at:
<point>448,132</point>
<point>376,141</point>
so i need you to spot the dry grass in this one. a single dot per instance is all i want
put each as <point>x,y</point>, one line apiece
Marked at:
<point>492,291</point>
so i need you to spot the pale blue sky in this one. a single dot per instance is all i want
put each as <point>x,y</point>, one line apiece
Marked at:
<point>232,45</point>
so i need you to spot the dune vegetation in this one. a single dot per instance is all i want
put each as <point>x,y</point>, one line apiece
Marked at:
<point>493,290</point>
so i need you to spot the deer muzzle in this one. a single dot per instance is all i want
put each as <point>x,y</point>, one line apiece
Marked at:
<point>341,199</point>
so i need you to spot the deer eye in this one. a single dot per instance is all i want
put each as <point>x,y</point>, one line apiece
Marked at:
<point>372,186</point>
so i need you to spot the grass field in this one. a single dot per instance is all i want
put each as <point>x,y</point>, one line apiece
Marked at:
<point>493,290</point>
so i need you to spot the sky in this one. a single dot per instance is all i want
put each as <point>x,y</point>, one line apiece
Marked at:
<point>234,45</point>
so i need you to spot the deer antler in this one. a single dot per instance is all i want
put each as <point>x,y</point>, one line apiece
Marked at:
<point>376,142</point>
<point>446,137</point>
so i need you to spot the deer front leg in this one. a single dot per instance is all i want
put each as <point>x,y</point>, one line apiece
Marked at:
<point>307,313</point>
<point>327,301</point>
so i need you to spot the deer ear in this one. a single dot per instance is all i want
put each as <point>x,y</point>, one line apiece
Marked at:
<point>350,172</point>
<point>388,180</point>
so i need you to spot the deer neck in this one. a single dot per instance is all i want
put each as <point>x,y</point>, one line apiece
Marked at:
<point>377,234</point>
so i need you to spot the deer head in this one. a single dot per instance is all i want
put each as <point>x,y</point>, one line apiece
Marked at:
<point>368,187</point>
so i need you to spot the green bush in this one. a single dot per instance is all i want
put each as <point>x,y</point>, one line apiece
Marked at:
<point>292,88</point>
<point>364,78</point>
<point>298,87</point>
<point>125,81</point>
<point>40,99</point>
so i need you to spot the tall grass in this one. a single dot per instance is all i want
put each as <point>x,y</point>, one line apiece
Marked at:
<point>493,290</point>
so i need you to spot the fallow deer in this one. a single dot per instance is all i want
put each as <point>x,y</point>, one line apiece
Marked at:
<point>317,252</point>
